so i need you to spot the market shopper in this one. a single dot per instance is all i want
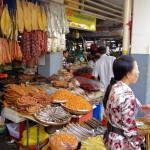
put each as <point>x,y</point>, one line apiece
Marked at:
<point>121,107</point>
<point>146,108</point>
<point>103,67</point>
<point>92,60</point>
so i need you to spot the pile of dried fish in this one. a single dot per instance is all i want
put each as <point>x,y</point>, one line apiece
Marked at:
<point>52,115</point>
<point>80,132</point>
<point>96,125</point>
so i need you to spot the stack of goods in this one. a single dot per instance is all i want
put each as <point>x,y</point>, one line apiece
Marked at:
<point>61,79</point>
<point>27,99</point>
<point>65,80</point>
<point>52,115</point>
<point>16,76</point>
<point>93,143</point>
<point>8,80</point>
<point>74,87</point>
<point>84,71</point>
<point>25,78</point>
<point>63,141</point>
<point>74,104</point>
<point>32,79</point>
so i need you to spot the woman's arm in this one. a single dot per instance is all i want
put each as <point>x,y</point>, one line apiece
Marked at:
<point>145,108</point>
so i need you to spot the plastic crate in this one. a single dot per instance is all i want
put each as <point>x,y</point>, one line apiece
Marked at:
<point>83,117</point>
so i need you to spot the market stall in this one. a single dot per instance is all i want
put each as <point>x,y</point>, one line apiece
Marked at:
<point>46,105</point>
<point>57,102</point>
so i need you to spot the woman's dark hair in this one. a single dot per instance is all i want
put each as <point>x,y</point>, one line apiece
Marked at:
<point>121,66</point>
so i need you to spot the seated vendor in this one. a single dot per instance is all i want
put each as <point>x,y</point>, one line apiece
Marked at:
<point>65,55</point>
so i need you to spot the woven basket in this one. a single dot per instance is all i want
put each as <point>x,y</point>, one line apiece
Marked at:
<point>143,129</point>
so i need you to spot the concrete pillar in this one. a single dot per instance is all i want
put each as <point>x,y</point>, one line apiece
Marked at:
<point>140,48</point>
<point>126,31</point>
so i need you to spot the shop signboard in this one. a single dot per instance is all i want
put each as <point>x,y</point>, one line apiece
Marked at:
<point>80,21</point>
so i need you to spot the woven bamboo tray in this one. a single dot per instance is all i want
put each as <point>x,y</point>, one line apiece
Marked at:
<point>143,129</point>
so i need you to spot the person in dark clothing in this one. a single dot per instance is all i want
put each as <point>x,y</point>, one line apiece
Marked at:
<point>65,55</point>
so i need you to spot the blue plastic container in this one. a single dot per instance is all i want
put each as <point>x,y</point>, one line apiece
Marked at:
<point>97,111</point>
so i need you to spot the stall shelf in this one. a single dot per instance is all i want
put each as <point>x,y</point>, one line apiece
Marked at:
<point>23,121</point>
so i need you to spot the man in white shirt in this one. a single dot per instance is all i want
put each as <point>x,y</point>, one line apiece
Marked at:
<point>104,70</point>
<point>103,67</point>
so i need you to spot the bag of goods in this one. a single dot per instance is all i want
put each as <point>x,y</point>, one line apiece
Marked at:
<point>88,84</point>
<point>60,83</point>
<point>63,141</point>
<point>32,139</point>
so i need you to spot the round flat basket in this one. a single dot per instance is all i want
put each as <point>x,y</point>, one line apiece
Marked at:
<point>144,128</point>
<point>75,112</point>
<point>52,123</point>
<point>59,101</point>
<point>52,115</point>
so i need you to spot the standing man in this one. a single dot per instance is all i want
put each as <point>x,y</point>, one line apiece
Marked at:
<point>103,67</point>
<point>103,70</point>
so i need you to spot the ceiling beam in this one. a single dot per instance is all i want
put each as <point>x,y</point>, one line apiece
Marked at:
<point>96,9</point>
<point>103,6</point>
<point>113,5</point>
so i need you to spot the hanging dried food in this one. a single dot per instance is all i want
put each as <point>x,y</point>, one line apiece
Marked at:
<point>27,15</point>
<point>39,16</point>
<point>15,51</point>
<point>6,23</point>
<point>25,46</point>
<point>44,19</point>
<point>5,56</point>
<point>20,17</point>
<point>34,19</point>
<point>33,44</point>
